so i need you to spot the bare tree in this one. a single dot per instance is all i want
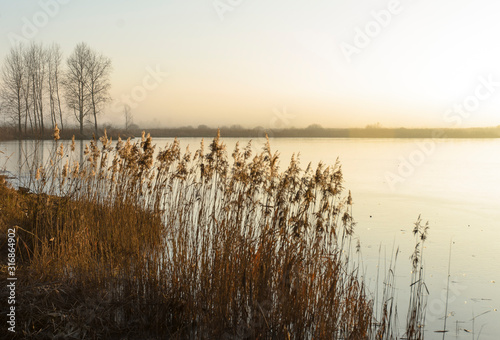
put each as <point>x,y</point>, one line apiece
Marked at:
<point>74,83</point>
<point>86,83</point>
<point>26,89</point>
<point>32,79</point>
<point>30,85</point>
<point>39,74</point>
<point>129,119</point>
<point>12,86</point>
<point>54,58</point>
<point>34,86</point>
<point>99,69</point>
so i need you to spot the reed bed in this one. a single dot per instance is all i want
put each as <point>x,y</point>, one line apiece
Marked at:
<point>140,243</point>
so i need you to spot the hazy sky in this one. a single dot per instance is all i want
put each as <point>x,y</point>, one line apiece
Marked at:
<point>279,63</point>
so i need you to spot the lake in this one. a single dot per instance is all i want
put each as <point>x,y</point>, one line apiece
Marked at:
<point>452,183</point>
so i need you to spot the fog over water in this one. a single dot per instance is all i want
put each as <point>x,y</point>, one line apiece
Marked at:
<point>335,63</point>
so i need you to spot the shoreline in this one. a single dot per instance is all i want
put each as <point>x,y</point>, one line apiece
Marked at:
<point>188,132</point>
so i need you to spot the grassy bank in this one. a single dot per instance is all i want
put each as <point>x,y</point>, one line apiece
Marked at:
<point>137,243</point>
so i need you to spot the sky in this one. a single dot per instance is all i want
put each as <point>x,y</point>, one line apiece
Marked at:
<point>282,63</point>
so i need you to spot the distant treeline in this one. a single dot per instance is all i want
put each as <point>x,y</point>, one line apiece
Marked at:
<point>7,133</point>
<point>319,132</point>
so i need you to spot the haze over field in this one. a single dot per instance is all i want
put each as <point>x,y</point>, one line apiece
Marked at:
<point>282,64</point>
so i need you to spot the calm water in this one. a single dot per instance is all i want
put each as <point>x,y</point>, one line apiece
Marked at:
<point>454,184</point>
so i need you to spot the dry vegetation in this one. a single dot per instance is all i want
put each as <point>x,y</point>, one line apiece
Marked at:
<point>138,243</point>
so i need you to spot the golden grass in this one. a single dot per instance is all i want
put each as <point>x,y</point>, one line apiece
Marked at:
<point>178,245</point>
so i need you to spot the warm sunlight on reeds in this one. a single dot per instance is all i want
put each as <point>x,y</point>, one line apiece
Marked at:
<point>203,245</point>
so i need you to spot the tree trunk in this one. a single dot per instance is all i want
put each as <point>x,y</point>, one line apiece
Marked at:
<point>95,114</point>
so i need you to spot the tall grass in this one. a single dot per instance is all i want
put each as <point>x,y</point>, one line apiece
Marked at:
<point>418,289</point>
<point>202,245</point>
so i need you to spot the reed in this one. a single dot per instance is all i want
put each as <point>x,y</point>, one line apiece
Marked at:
<point>149,243</point>
<point>418,290</point>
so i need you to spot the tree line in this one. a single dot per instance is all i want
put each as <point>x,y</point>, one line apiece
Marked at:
<point>316,131</point>
<point>37,90</point>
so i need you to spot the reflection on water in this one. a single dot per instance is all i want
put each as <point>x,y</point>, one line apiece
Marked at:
<point>456,187</point>
<point>18,158</point>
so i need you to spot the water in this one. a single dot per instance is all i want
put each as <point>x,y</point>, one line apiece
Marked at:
<point>454,184</point>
